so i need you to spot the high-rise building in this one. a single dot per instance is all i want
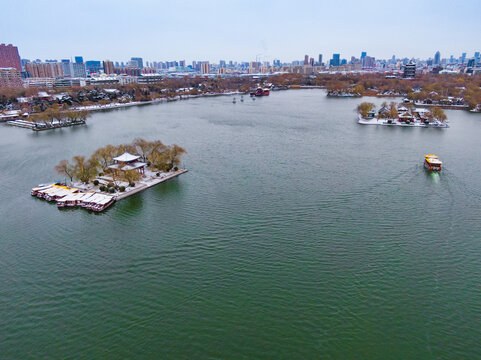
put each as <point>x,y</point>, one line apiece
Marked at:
<point>79,59</point>
<point>320,59</point>
<point>463,58</point>
<point>108,67</point>
<point>306,59</point>
<point>363,55</point>
<point>139,60</point>
<point>311,61</point>
<point>133,63</point>
<point>254,65</point>
<point>336,60</point>
<point>477,57</point>
<point>66,67</point>
<point>93,66</point>
<point>204,67</point>
<point>369,62</point>
<point>10,77</point>
<point>23,62</point>
<point>182,63</point>
<point>9,57</point>
<point>44,70</point>
<point>78,70</point>
<point>437,58</point>
<point>222,63</point>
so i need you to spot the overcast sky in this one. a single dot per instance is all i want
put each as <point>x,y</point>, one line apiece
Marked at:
<point>239,30</point>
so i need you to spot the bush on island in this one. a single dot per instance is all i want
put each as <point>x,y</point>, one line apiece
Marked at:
<point>122,188</point>
<point>102,188</point>
<point>110,184</point>
<point>131,184</point>
<point>149,163</point>
<point>157,174</point>
<point>176,168</point>
<point>96,182</point>
<point>116,187</point>
<point>101,174</point>
<point>111,190</point>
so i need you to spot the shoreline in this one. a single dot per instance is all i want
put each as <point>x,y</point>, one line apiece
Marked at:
<point>150,184</point>
<point>114,106</point>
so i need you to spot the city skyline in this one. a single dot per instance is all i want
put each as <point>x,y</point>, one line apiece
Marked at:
<point>241,31</point>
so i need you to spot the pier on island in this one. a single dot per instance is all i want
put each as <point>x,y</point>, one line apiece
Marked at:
<point>91,197</point>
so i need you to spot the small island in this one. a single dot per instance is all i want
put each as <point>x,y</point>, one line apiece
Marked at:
<point>112,173</point>
<point>406,114</point>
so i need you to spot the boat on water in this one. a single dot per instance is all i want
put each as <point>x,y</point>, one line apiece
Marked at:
<point>260,92</point>
<point>432,162</point>
<point>40,187</point>
<point>103,203</point>
<point>98,202</point>
<point>90,200</point>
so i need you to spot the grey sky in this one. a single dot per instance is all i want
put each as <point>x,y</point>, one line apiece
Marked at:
<point>239,30</point>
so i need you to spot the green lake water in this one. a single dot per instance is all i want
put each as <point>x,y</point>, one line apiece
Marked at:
<point>296,233</point>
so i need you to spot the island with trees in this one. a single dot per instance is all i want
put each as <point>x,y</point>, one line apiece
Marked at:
<point>401,114</point>
<point>113,172</point>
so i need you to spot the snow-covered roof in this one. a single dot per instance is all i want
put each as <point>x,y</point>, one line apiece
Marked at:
<point>126,157</point>
<point>135,165</point>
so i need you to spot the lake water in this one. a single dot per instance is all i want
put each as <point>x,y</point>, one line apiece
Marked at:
<point>296,233</point>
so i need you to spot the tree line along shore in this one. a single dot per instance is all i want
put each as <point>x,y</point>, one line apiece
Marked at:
<point>461,90</point>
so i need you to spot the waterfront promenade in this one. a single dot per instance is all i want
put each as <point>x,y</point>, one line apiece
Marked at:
<point>145,184</point>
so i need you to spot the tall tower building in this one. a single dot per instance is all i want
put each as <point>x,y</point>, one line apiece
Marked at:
<point>437,58</point>
<point>9,57</point>
<point>306,59</point>
<point>320,59</point>
<point>108,67</point>
<point>336,60</point>
<point>204,67</point>
<point>139,60</point>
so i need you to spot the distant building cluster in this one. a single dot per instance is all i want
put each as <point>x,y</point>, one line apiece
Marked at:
<point>16,72</point>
